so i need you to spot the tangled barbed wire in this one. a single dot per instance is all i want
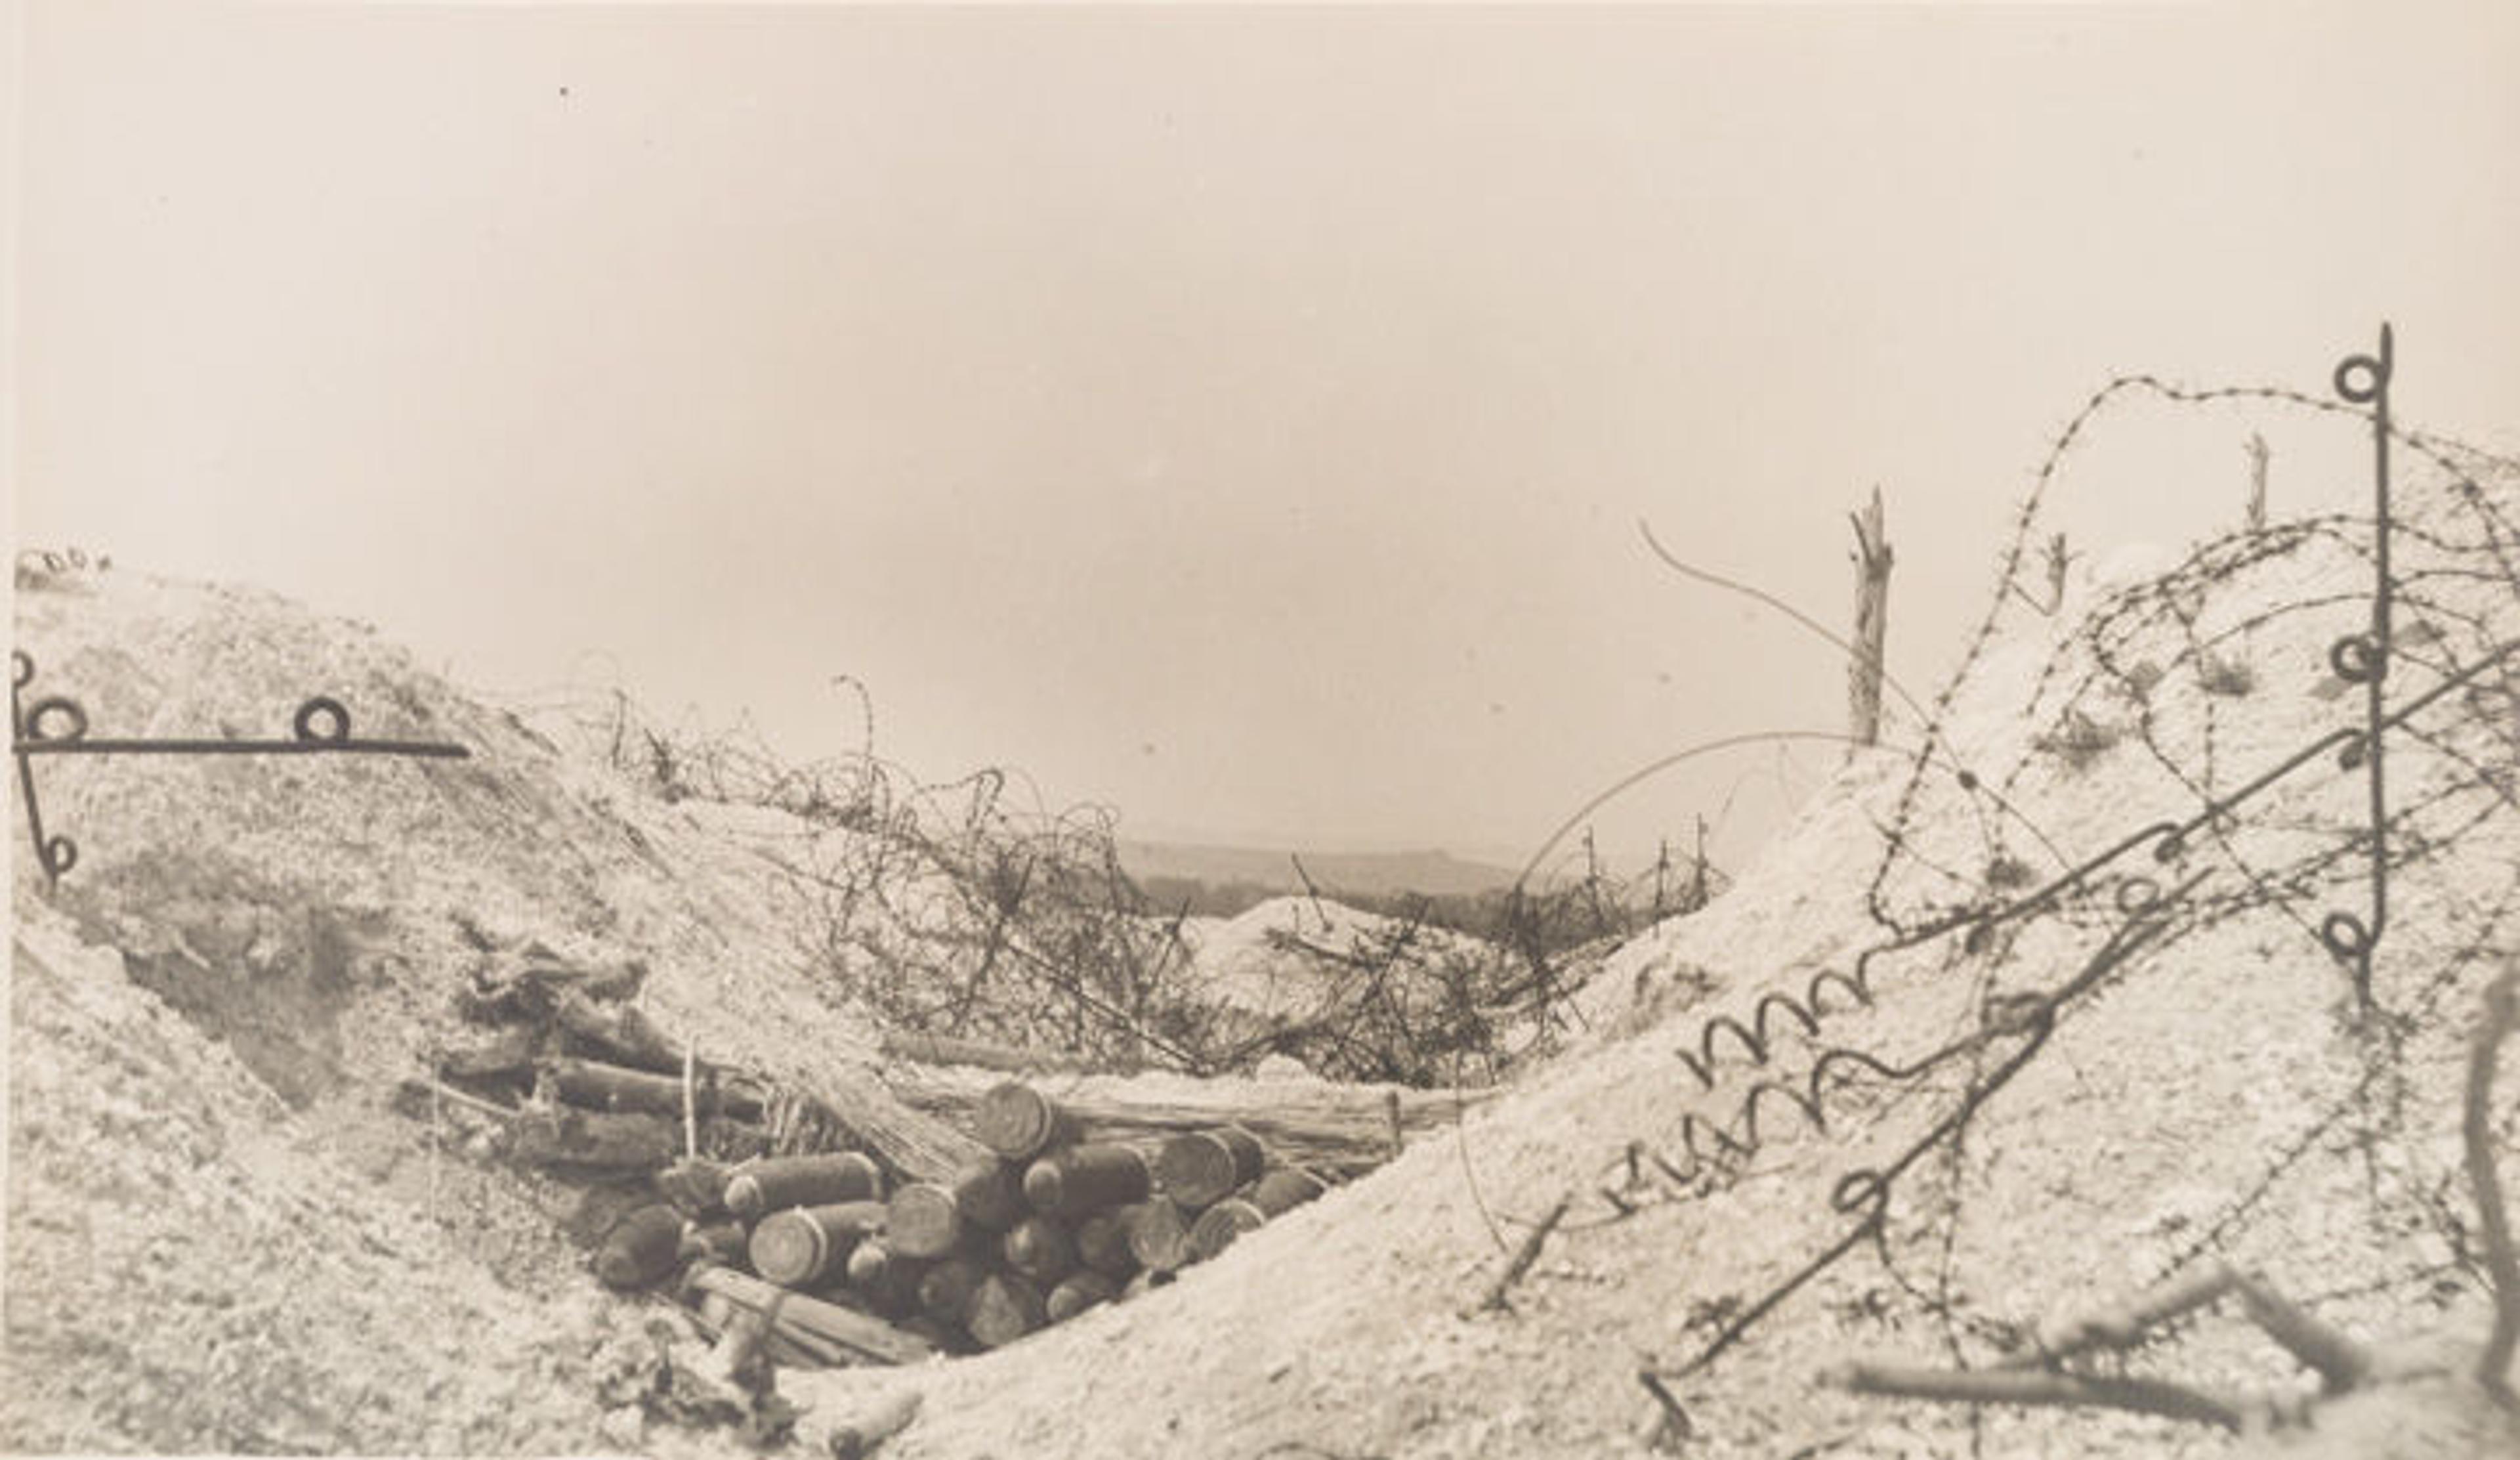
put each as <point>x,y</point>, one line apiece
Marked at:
<point>2165,691</point>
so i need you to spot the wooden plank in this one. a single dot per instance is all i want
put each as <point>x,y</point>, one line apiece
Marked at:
<point>1337,1130</point>
<point>920,1145</point>
<point>861,1333</point>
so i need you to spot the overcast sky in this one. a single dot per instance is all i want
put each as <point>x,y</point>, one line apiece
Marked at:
<point>1239,417</point>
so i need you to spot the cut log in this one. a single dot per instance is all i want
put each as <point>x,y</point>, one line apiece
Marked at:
<point>1219,1226</point>
<point>1341,1131</point>
<point>889,1280</point>
<point>512,1054</point>
<point>1102,1245</point>
<point>1284,1189</point>
<point>869,1336</point>
<point>781,1181</point>
<point>864,1432</point>
<point>619,1033</point>
<point>1159,1235</point>
<point>641,1248</point>
<point>923,1222</point>
<point>1040,1248</point>
<point>696,1188</point>
<point>975,1054</point>
<point>588,1138</point>
<point>1006,1307</point>
<point>1070,1184</point>
<point>1205,1166</point>
<point>1146,1282</point>
<point>989,1194</point>
<point>593,1085</point>
<point>800,1247</point>
<point>723,1243</point>
<point>1019,1123</point>
<point>1081,1290</point>
<point>945,1290</point>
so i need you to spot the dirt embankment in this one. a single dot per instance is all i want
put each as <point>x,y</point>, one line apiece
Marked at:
<point>1977,1047</point>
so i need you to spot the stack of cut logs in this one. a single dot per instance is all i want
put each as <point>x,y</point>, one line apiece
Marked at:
<point>1043,1228</point>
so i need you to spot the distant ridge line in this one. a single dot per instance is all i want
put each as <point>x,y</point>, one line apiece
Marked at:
<point>1435,872</point>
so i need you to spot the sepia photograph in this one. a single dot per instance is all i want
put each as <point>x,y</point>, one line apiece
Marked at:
<point>1185,731</point>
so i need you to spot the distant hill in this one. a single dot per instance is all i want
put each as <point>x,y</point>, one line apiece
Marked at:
<point>1437,874</point>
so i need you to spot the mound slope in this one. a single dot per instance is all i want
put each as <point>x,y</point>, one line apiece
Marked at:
<point>2071,1082</point>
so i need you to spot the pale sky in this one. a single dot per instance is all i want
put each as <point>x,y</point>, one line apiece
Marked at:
<point>1239,417</point>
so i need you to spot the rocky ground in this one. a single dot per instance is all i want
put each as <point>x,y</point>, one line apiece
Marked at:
<point>225,1232</point>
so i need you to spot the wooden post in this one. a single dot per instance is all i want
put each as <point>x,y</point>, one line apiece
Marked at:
<point>1871,622</point>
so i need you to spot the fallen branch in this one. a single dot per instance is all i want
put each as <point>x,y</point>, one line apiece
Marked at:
<point>2039,1387</point>
<point>2342,1364</point>
<point>2124,1325</point>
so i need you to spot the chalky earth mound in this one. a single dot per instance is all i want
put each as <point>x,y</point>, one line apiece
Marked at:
<point>2004,1032</point>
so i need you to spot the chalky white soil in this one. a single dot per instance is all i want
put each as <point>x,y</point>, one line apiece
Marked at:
<point>223,1234</point>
